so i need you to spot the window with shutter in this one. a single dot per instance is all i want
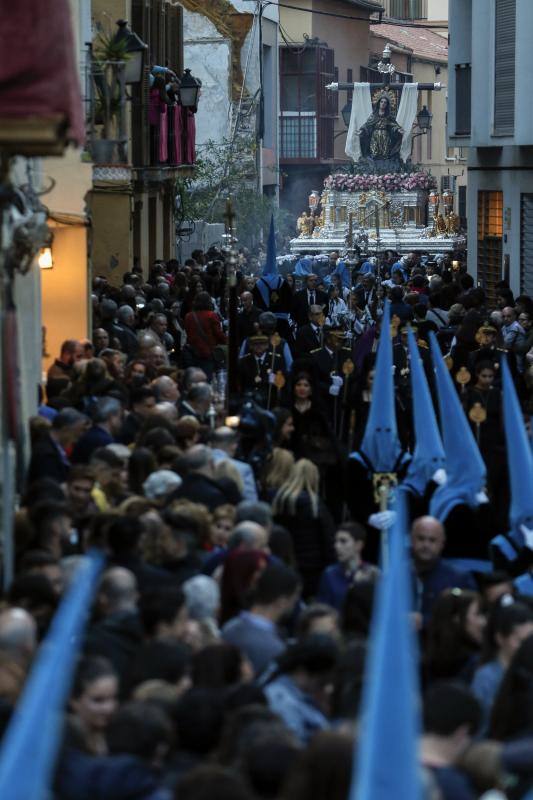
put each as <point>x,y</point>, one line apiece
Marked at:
<point>156,54</point>
<point>140,23</point>
<point>526,245</point>
<point>489,241</point>
<point>504,67</point>
<point>407,9</point>
<point>174,35</point>
<point>462,206</point>
<point>307,109</point>
<point>463,101</point>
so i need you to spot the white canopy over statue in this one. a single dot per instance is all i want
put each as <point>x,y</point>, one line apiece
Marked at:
<point>374,134</point>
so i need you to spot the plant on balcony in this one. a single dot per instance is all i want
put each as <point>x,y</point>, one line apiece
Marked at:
<point>108,61</point>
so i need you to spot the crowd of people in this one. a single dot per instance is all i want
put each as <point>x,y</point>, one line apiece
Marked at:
<point>225,653</point>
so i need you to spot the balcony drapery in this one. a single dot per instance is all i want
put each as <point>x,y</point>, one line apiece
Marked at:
<point>172,132</point>
<point>40,78</point>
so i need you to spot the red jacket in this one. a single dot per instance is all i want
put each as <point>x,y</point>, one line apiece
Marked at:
<point>211,332</point>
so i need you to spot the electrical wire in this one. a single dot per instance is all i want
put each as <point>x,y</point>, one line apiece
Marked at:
<point>295,50</point>
<point>398,23</point>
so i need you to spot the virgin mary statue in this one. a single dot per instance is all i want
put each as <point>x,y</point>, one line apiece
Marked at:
<point>381,136</point>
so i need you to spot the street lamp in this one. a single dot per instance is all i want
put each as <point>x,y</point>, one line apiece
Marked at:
<point>423,119</point>
<point>314,200</point>
<point>135,48</point>
<point>347,113</point>
<point>45,259</point>
<point>189,90</point>
<point>447,199</point>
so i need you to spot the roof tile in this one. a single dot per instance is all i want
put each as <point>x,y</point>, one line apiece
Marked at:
<point>422,41</point>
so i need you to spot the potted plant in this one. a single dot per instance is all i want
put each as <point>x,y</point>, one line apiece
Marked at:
<point>110,55</point>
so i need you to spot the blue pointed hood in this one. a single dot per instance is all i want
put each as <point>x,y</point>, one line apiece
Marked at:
<point>271,266</point>
<point>270,278</point>
<point>343,271</point>
<point>386,763</point>
<point>428,454</point>
<point>367,267</point>
<point>304,266</point>
<point>381,446</point>
<point>35,731</point>
<point>520,465</point>
<point>465,467</point>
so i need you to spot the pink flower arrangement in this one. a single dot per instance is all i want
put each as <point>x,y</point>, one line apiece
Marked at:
<point>393,182</point>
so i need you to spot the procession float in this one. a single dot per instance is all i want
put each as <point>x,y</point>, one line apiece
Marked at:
<point>381,200</point>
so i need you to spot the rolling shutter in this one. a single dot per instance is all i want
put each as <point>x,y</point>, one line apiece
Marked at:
<point>463,99</point>
<point>526,245</point>
<point>504,67</point>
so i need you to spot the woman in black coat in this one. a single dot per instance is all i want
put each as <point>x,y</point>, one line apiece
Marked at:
<point>298,507</point>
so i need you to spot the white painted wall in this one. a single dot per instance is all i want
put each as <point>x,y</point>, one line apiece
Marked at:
<point>208,55</point>
<point>437,9</point>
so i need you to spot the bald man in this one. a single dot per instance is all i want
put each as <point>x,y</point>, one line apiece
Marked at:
<point>119,633</point>
<point>18,634</point>
<point>432,574</point>
<point>247,317</point>
<point>510,329</point>
<point>166,389</point>
<point>224,442</point>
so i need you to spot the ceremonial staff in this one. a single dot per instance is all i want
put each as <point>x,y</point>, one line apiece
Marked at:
<point>230,257</point>
<point>273,378</point>
<point>347,369</point>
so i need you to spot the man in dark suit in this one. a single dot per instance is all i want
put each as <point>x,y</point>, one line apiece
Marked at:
<point>309,336</point>
<point>267,326</point>
<point>335,376</point>
<point>196,467</point>
<point>305,298</point>
<point>365,291</point>
<point>197,402</point>
<point>400,357</point>
<point>258,368</point>
<point>142,402</point>
<point>118,634</point>
<point>247,317</point>
<point>49,458</point>
<point>107,422</point>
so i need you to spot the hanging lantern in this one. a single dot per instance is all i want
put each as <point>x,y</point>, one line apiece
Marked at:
<point>314,200</point>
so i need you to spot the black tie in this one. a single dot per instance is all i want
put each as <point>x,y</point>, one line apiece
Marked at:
<point>311,298</point>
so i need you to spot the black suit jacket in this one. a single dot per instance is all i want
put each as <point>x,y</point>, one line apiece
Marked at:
<point>200,489</point>
<point>300,305</point>
<point>306,340</point>
<point>362,297</point>
<point>248,371</point>
<point>326,364</point>
<point>246,323</point>
<point>127,338</point>
<point>47,462</point>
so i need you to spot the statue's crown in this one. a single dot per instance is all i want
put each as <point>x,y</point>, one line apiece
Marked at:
<point>390,96</point>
